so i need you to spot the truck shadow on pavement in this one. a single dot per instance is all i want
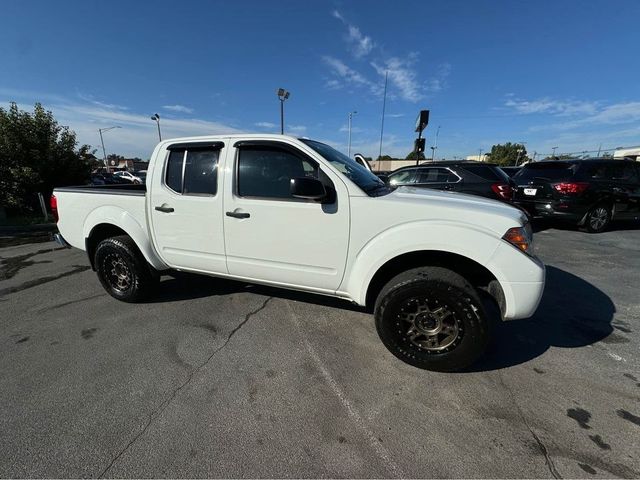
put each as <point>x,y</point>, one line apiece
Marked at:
<point>573,313</point>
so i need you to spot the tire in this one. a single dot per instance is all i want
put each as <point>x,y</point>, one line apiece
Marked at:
<point>123,271</point>
<point>598,218</point>
<point>433,319</point>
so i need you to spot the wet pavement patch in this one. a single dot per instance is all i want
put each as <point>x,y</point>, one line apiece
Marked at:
<point>628,416</point>
<point>88,333</point>
<point>40,281</point>
<point>581,416</point>
<point>587,468</point>
<point>12,265</point>
<point>597,439</point>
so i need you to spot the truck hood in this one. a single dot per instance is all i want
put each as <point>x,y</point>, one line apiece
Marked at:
<point>493,214</point>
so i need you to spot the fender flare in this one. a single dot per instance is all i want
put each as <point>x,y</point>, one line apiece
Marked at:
<point>118,217</point>
<point>465,240</point>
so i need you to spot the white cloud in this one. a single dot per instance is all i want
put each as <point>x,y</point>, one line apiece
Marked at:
<point>178,108</point>
<point>137,135</point>
<point>551,106</point>
<point>592,114</point>
<point>296,128</point>
<point>265,125</point>
<point>349,76</point>
<point>359,43</point>
<point>402,76</point>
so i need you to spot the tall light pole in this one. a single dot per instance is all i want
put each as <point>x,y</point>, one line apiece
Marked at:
<point>554,152</point>
<point>104,152</point>
<point>156,118</point>
<point>435,145</point>
<point>479,154</point>
<point>520,151</point>
<point>282,95</point>
<point>351,114</point>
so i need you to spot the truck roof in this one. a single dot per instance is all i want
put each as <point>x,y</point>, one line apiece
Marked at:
<point>257,136</point>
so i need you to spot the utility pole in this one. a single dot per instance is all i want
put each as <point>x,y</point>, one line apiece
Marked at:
<point>480,155</point>
<point>351,114</point>
<point>104,152</point>
<point>384,104</point>
<point>435,145</point>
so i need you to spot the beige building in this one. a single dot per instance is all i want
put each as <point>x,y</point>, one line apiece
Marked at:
<point>478,158</point>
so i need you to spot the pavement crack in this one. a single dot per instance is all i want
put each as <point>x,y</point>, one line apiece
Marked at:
<point>166,402</point>
<point>543,448</point>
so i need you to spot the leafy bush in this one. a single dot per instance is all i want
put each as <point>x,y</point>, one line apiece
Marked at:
<point>36,155</point>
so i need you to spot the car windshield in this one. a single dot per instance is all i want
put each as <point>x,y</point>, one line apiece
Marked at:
<point>351,169</point>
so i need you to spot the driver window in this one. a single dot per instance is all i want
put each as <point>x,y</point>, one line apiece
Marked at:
<point>266,172</point>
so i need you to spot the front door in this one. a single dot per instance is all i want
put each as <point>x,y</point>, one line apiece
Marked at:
<point>271,236</point>
<point>185,207</point>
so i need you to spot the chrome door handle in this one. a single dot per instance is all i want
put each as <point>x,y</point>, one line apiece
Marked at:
<point>238,214</point>
<point>164,209</point>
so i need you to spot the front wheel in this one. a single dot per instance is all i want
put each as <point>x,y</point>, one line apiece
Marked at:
<point>598,219</point>
<point>122,270</point>
<point>432,318</point>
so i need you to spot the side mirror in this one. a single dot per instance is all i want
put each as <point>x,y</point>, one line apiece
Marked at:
<point>307,188</point>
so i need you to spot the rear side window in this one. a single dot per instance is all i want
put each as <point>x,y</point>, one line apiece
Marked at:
<point>436,175</point>
<point>174,170</point>
<point>266,172</point>
<point>401,178</point>
<point>548,171</point>
<point>487,172</point>
<point>193,171</point>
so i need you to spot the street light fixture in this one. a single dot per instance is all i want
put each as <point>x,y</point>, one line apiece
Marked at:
<point>104,152</point>
<point>554,152</point>
<point>156,118</point>
<point>351,114</point>
<point>282,95</point>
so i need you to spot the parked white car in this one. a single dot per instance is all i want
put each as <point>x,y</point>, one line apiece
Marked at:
<point>128,176</point>
<point>295,213</point>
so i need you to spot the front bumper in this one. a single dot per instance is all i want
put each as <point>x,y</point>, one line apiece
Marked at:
<point>59,239</point>
<point>553,209</point>
<point>522,279</point>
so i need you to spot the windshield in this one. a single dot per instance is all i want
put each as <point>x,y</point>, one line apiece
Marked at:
<point>351,169</point>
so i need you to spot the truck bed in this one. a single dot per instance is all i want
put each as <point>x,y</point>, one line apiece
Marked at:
<point>80,207</point>
<point>107,189</point>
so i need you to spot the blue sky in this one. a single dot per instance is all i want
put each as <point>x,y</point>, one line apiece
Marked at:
<point>550,73</point>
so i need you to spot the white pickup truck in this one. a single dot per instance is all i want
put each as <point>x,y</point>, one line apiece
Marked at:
<point>295,213</point>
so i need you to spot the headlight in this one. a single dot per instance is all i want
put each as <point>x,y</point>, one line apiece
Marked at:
<point>521,238</point>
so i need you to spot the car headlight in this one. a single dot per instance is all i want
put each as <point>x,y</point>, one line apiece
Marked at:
<point>521,238</point>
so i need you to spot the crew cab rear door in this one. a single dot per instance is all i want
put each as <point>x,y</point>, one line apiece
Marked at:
<point>185,207</point>
<point>274,237</point>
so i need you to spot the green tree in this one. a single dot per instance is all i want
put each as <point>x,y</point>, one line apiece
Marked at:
<point>508,154</point>
<point>415,156</point>
<point>36,155</point>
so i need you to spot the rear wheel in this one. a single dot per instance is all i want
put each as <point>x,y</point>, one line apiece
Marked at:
<point>122,270</point>
<point>432,318</point>
<point>598,218</point>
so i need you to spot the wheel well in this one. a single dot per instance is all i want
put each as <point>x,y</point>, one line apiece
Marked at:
<point>476,274</point>
<point>99,233</point>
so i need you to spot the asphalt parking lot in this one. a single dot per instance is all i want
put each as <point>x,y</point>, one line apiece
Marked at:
<point>213,378</point>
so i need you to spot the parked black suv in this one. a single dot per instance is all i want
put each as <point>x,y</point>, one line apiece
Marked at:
<point>475,178</point>
<point>589,192</point>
